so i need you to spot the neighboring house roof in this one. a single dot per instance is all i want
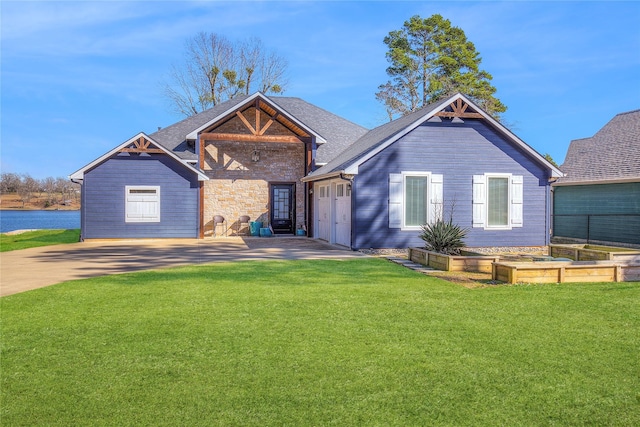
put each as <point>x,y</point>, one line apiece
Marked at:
<point>611,155</point>
<point>332,132</point>
<point>381,137</point>
<point>79,174</point>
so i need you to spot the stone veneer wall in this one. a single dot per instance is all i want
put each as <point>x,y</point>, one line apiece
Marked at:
<point>237,186</point>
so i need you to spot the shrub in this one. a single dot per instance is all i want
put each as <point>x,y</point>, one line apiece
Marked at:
<point>444,237</point>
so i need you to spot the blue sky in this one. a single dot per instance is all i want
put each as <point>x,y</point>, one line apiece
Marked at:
<point>79,78</point>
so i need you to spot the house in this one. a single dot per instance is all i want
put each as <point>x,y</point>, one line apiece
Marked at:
<point>242,157</point>
<point>290,164</point>
<point>451,160</point>
<point>599,198</point>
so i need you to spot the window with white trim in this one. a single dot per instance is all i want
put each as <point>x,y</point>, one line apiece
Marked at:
<point>415,199</point>
<point>142,203</point>
<point>497,201</point>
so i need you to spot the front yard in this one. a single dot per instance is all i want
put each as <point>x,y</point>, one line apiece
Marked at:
<point>34,239</point>
<point>357,342</point>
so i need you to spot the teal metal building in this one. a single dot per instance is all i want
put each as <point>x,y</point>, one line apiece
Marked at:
<point>598,199</point>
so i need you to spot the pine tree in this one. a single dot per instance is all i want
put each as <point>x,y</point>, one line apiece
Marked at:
<point>429,60</point>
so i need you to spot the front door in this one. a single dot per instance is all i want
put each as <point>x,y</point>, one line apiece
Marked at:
<point>282,208</point>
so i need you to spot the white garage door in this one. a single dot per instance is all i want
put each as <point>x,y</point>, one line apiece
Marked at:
<point>343,214</point>
<point>324,213</point>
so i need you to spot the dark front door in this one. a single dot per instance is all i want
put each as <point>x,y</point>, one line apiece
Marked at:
<point>282,208</point>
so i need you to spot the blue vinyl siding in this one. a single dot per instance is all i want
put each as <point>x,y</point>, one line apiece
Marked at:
<point>457,151</point>
<point>103,198</point>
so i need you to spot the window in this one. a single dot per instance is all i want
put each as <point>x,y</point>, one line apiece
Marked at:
<point>415,198</point>
<point>497,201</point>
<point>340,190</point>
<point>142,204</point>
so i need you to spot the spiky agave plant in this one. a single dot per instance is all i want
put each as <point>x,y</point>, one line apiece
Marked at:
<point>444,237</point>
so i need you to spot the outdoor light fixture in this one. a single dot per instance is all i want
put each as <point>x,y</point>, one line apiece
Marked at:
<point>255,156</point>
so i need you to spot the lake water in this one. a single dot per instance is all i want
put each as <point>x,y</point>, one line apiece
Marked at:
<point>36,220</point>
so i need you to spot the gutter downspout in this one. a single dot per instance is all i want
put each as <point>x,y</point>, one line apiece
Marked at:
<point>82,205</point>
<point>550,202</point>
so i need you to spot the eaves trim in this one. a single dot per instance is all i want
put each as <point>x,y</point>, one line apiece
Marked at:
<point>193,135</point>
<point>596,182</point>
<point>79,174</point>
<point>352,167</point>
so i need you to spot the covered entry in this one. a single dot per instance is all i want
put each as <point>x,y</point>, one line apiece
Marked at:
<point>333,212</point>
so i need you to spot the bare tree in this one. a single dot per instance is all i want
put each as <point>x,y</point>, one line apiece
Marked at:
<point>28,186</point>
<point>48,185</point>
<point>215,69</point>
<point>67,189</point>
<point>10,182</point>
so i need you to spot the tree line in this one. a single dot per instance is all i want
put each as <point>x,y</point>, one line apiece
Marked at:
<point>430,59</point>
<point>56,190</point>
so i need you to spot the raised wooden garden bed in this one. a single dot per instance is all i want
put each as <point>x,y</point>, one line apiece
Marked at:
<point>560,272</point>
<point>595,253</point>
<point>467,261</point>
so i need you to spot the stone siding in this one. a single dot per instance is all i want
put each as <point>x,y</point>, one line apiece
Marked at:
<point>238,186</point>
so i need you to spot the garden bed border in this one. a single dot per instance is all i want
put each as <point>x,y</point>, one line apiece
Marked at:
<point>565,272</point>
<point>470,263</point>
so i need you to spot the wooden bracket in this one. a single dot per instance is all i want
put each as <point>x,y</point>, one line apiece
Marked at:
<point>459,108</point>
<point>141,145</point>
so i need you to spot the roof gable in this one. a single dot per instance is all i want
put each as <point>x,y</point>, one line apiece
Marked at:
<point>140,144</point>
<point>455,107</point>
<point>612,154</point>
<point>337,132</point>
<point>261,102</point>
<point>173,137</point>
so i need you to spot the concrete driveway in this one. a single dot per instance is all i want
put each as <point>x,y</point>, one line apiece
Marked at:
<point>38,267</point>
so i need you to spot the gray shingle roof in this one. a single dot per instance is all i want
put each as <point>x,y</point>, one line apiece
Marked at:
<point>173,137</point>
<point>338,132</point>
<point>613,153</point>
<point>370,141</point>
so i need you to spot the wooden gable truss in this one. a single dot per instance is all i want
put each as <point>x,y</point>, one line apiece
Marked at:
<point>141,145</point>
<point>460,109</point>
<point>255,128</point>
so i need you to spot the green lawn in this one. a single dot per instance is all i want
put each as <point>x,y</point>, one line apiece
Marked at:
<point>358,342</point>
<point>32,239</point>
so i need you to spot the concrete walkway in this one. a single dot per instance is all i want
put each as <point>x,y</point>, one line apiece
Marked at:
<point>38,267</point>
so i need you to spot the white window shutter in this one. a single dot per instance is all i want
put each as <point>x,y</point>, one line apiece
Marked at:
<point>479,201</point>
<point>395,200</point>
<point>142,204</point>
<point>436,198</point>
<point>516,200</point>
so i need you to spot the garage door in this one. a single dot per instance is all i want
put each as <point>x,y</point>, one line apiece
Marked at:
<point>343,214</point>
<point>324,213</point>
